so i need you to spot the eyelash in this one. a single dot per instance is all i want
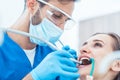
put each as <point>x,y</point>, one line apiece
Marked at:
<point>97,45</point>
<point>57,16</point>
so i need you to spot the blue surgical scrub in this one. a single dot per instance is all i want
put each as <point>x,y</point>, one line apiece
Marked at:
<point>14,64</point>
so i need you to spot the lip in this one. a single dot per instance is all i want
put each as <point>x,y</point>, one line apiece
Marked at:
<point>83,66</point>
<point>83,57</point>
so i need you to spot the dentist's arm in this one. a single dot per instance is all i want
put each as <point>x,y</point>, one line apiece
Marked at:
<point>28,77</point>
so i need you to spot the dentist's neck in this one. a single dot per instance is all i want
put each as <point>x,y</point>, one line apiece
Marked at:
<point>22,24</point>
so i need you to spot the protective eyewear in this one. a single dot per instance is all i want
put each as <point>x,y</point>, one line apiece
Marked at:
<point>58,16</point>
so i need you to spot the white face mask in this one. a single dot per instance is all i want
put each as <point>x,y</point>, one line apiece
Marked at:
<point>46,30</point>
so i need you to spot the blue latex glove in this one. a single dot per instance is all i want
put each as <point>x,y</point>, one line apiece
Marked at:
<point>71,51</point>
<point>56,65</point>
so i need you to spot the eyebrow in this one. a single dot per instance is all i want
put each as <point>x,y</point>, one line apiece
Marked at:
<point>96,40</point>
<point>84,43</point>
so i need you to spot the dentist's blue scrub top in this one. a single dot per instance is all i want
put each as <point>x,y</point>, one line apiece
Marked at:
<point>14,64</point>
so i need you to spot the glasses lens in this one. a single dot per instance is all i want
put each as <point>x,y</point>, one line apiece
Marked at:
<point>69,24</point>
<point>59,18</point>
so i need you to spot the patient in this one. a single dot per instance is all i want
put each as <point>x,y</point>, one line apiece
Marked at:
<point>97,47</point>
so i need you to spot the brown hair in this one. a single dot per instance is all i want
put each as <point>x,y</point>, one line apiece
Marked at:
<point>115,45</point>
<point>116,40</point>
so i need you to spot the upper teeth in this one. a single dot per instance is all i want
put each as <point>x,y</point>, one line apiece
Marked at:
<point>84,58</point>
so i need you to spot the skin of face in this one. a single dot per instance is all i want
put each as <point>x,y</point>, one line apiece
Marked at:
<point>68,8</point>
<point>96,47</point>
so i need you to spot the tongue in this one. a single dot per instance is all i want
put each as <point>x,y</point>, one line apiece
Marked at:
<point>85,62</point>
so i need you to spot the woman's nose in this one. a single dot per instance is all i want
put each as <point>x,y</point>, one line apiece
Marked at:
<point>85,49</point>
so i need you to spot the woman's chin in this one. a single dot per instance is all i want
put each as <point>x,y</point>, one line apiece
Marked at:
<point>82,77</point>
<point>83,74</point>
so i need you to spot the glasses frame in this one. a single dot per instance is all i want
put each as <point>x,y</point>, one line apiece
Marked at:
<point>54,7</point>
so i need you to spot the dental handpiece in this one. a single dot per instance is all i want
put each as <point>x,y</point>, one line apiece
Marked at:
<point>41,39</point>
<point>74,60</point>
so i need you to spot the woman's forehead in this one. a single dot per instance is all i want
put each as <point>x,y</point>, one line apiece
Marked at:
<point>102,37</point>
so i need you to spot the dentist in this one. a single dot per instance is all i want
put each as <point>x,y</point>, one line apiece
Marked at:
<point>23,55</point>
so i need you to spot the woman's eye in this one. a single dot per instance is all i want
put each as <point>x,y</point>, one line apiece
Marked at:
<point>97,45</point>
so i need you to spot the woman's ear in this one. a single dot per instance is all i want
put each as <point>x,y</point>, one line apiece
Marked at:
<point>116,65</point>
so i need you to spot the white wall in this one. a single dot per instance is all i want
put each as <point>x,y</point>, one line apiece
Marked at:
<point>106,23</point>
<point>87,9</point>
<point>10,10</point>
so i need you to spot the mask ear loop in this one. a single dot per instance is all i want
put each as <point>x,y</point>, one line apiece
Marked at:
<point>41,15</point>
<point>31,18</point>
<point>39,9</point>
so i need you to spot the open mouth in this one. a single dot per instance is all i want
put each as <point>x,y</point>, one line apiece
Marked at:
<point>85,61</point>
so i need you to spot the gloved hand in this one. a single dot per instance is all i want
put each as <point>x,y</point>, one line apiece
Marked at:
<point>71,51</point>
<point>56,65</point>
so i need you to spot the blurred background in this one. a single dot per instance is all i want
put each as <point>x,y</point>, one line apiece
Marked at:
<point>92,16</point>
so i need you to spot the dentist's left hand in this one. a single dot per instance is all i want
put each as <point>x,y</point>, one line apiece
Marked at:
<point>71,51</point>
<point>56,65</point>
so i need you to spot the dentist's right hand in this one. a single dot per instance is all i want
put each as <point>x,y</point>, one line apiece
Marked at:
<point>56,65</point>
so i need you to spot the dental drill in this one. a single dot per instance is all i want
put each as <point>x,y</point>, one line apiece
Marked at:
<point>41,39</point>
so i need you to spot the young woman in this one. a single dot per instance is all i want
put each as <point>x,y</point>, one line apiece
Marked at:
<point>97,47</point>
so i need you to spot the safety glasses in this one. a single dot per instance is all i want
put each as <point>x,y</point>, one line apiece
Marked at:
<point>58,16</point>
